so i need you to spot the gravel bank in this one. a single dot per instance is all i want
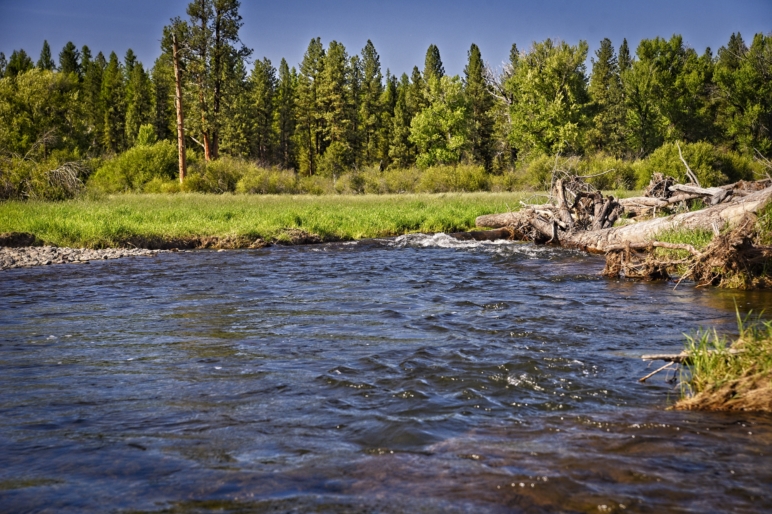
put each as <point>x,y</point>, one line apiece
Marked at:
<point>25,257</point>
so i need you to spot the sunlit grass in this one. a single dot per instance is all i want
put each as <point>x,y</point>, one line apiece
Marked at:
<point>723,373</point>
<point>111,220</point>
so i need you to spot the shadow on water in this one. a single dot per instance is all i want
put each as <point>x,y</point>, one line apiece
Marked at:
<point>420,374</point>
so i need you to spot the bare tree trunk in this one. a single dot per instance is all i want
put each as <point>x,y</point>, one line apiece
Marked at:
<point>180,114</point>
<point>597,241</point>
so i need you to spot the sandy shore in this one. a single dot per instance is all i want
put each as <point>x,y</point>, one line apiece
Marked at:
<point>28,256</point>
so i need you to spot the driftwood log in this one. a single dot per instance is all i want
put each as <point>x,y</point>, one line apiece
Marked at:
<point>599,240</point>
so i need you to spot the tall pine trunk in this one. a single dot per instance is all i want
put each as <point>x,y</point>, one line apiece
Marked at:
<point>180,114</point>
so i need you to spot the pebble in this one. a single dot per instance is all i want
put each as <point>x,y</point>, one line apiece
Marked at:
<point>28,256</point>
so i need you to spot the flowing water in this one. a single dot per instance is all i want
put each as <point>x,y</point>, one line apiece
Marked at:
<point>412,375</point>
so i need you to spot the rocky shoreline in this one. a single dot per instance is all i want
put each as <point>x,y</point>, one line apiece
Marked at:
<point>28,256</point>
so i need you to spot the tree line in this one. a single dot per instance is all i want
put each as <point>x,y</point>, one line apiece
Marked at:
<point>336,111</point>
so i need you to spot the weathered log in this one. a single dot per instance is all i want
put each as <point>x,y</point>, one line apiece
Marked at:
<point>685,357</point>
<point>725,214</point>
<point>597,241</point>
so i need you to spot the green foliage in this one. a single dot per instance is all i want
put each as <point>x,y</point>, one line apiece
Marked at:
<point>19,63</point>
<point>46,62</point>
<point>113,97</point>
<point>712,367</point>
<point>69,59</point>
<point>668,95</point>
<point>146,135</point>
<point>606,131</point>
<point>39,112</point>
<point>446,179</point>
<point>130,171</point>
<point>139,102</point>
<point>440,131</point>
<point>267,182</point>
<point>711,166</point>
<point>480,104</point>
<point>549,92</point>
<point>433,64</point>
<point>744,80</point>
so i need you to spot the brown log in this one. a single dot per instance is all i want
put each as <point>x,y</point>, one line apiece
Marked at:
<point>597,241</point>
<point>724,214</point>
<point>565,213</point>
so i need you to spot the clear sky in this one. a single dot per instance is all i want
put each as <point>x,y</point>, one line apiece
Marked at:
<point>400,29</point>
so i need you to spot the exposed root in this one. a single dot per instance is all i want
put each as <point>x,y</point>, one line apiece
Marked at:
<point>731,260</point>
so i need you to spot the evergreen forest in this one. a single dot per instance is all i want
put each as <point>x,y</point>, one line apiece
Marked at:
<point>210,116</point>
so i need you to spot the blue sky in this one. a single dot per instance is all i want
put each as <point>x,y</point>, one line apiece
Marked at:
<point>400,29</point>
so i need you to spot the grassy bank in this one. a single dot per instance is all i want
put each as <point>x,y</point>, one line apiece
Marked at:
<point>736,377</point>
<point>113,220</point>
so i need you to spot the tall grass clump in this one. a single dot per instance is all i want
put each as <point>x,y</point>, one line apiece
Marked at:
<point>721,376</point>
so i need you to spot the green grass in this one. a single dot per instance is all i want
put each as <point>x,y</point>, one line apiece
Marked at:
<point>111,220</point>
<point>714,375</point>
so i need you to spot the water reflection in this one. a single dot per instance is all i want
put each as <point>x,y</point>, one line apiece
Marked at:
<point>413,374</point>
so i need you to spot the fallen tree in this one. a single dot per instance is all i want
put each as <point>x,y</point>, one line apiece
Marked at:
<point>580,218</point>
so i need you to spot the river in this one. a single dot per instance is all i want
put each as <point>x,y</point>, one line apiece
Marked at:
<point>419,374</point>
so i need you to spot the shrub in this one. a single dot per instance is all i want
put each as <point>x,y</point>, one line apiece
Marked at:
<point>56,178</point>
<point>264,181</point>
<point>315,185</point>
<point>220,176</point>
<point>445,179</point>
<point>131,170</point>
<point>711,166</point>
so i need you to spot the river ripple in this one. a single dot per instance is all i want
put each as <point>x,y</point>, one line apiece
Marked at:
<point>411,375</point>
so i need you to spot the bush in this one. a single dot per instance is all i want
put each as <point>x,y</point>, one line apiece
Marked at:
<point>445,179</point>
<point>711,166</point>
<point>220,176</point>
<point>56,178</point>
<point>131,170</point>
<point>263,181</point>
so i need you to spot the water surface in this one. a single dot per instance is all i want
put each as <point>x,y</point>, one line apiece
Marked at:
<point>411,375</point>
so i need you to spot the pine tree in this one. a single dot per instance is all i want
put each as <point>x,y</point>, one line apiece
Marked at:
<point>284,114</point>
<point>46,62</point>
<point>730,57</point>
<point>93,106</point>
<point>607,127</point>
<point>625,62</point>
<point>263,91</point>
<point>480,103</point>
<point>337,108</point>
<point>129,61</point>
<point>388,103</point>
<point>308,129</point>
<point>433,64</point>
<point>370,108</point>
<point>356,138</point>
<point>3,65</point>
<point>401,149</point>
<point>69,59</point>
<point>237,117</point>
<point>19,63</point>
<point>164,115</point>
<point>139,102</point>
<point>416,94</point>
<point>113,98</point>
<point>213,40</point>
